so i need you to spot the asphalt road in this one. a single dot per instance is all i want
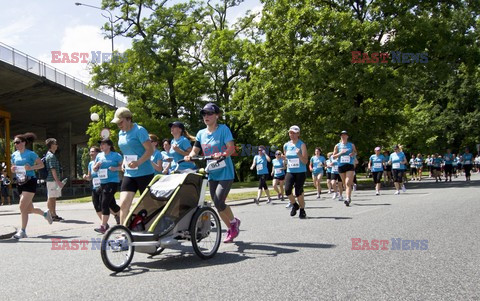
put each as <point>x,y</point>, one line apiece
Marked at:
<point>276,257</point>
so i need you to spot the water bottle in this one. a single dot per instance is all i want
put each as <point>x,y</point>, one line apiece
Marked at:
<point>64,181</point>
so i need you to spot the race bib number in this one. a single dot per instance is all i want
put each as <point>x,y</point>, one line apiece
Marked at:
<point>467,162</point>
<point>214,165</point>
<point>259,167</point>
<point>396,165</point>
<point>21,173</point>
<point>320,165</point>
<point>96,182</point>
<point>294,163</point>
<point>164,165</point>
<point>345,159</point>
<point>129,158</point>
<point>335,168</point>
<point>278,170</point>
<point>103,173</point>
<point>377,165</point>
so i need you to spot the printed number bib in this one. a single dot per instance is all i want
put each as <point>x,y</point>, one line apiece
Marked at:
<point>334,168</point>
<point>345,159</point>
<point>259,167</point>
<point>467,162</point>
<point>377,165</point>
<point>216,165</point>
<point>320,165</point>
<point>103,173</point>
<point>21,173</point>
<point>164,165</point>
<point>96,182</point>
<point>129,158</point>
<point>278,170</point>
<point>396,165</point>
<point>294,163</point>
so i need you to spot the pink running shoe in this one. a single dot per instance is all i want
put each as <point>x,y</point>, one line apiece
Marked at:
<point>229,237</point>
<point>235,228</point>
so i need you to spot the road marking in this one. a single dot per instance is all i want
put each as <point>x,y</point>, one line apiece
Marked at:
<point>360,212</point>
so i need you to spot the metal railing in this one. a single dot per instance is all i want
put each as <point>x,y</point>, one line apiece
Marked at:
<point>24,61</point>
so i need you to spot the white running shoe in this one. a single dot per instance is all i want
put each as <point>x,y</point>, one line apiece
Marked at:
<point>403,188</point>
<point>377,192</point>
<point>341,198</point>
<point>354,187</point>
<point>397,192</point>
<point>289,205</point>
<point>334,196</point>
<point>329,191</point>
<point>48,216</point>
<point>318,195</point>
<point>20,234</point>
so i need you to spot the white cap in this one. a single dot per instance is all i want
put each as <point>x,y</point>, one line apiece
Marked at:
<point>294,129</point>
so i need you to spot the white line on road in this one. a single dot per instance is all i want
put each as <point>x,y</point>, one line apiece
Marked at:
<point>360,212</point>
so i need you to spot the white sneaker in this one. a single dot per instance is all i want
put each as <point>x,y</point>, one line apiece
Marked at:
<point>289,205</point>
<point>318,195</point>
<point>341,198</point>
<point>48,216</point>
<point>397,192</point>
<point>269,200</point>
<point>334,196</point>
<point>403,188</point>
<point>377,192</point>
<point>20,234</point>
<point>329,192</point>
<point>354,187</point>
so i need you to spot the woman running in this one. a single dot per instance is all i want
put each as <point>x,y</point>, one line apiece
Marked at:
<point>467,162</point>
<point>398,160</point>
<point>419,163</point>
<point>316,168</point>
<point>166,159</point>
<point>107,165</point>
<point>157,155</point>
<point>93,176</point>
<point>376,164</point>
<point>345,152</point>
<point>217,140</point>
<point>180,147</point>
<point>448,159</point>
<point>329,172</point>
<point>278,174</point>
<point>137,150</point>
<point>24,163</point>
<point>297,158</point>
<point>336,180</point>
<point>437,167</point>
<point>387,174</point>
<point>413,168</point>
<point>260,163</point>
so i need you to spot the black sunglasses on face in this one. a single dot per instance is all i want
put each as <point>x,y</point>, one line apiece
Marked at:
<point>207,114</point>
<point>17,142</point>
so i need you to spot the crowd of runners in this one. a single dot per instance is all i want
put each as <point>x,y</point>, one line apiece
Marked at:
<point>141,159</point>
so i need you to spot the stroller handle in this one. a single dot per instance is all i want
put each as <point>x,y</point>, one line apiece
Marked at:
<point>202,158</point>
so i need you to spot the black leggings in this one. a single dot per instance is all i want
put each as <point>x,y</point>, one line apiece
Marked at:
<point>262,182</point>
<point>467,168</point>
<point>413,171</point>
<point>108,198</point>
<point>398,175</point>
<point>297,180</point>
<point>97,199</point>
<point>219,191</point>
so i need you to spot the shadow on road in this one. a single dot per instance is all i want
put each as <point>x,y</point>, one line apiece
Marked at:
<point>328,217</point>
<point>368,205</point>
<point>73,221</point>
<point>9,213</point>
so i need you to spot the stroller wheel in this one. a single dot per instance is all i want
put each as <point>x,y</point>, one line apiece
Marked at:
<point>117,251</point>
<point>205,232</point>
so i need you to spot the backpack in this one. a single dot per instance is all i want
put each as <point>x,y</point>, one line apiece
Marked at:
<point>43,173</point>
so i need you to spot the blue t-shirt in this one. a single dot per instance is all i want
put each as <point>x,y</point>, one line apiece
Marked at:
<point>184,144</point>
<point>448,158</point>
<point>131,144</point>
<point>345,158</point>
<point>113,159</point>
<point>261,164</point>
<point>278,168</point>
<point>334,165</point>
<point>216,142</point>
<point>397,159</point>
<point>317,164</point>
<point>376,162</point>
<point>467,158</point>
<point>157,156</point>
<point>93,174</point>
<point>294,164</point>
<point>329,168</point>
<point>419,162</point>
<point>22,159</point>
<point>437,162</point>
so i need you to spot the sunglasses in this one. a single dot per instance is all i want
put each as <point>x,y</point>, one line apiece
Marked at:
<point>17,142</point>
<point>207,113</point>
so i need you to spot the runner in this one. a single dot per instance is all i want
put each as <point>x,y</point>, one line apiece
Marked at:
<point>419,164</point>
<point>278,174</point>
<point>336,180</point>
<point>413,167</point>
<point>459,165</point>
<point>387,174</point>
<point>93,176</point>
<point>448,159</point>
<point>345,152</point>
<point>260,163</point>
<point>212,140</point>
<point>137,150</point>
<point>467,158</point>
<point>454,166</point>
<point>297,157</point>
<point>24,163</point>
<point>157,155</point>
<point>329,173</point>
<point>437,167</point>
<point>316,168</point>
<point>107,165</point>
<point>430,165</point>
<point>180,147</point>
<point>398,160</point>
<point>166,159</point>
<point>376,164</point>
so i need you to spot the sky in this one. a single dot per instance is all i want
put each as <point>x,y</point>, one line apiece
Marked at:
<point>38,27</point>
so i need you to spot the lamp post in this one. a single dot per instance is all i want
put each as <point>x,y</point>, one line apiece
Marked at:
<point>105,132</point>
<point>111,32</point>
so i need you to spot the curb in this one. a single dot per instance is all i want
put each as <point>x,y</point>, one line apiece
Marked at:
<point>4,232</point>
